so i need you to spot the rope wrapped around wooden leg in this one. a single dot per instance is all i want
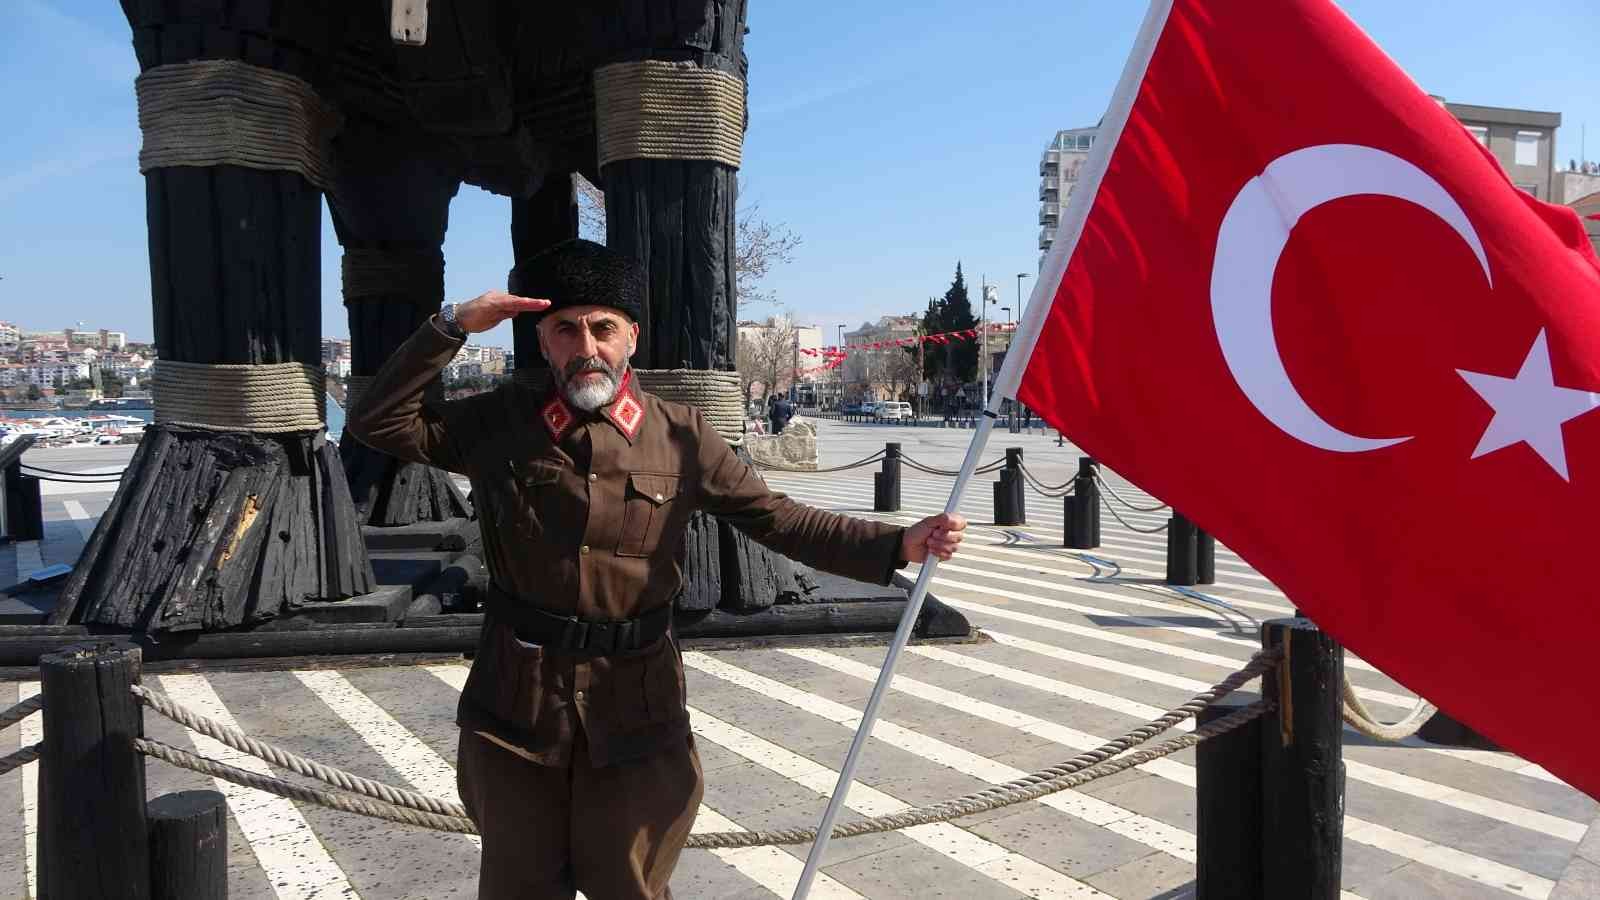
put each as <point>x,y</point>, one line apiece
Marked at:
<point>218,112</point>
<point>715,393</point>
<point>269,399</point>
<point>357,385</point>
<point>369,273</point>
<point>654,109</point>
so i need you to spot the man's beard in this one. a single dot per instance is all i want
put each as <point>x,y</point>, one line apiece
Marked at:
<point>590,393</point>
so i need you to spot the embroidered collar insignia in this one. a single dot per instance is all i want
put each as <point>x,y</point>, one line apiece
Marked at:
<point>625,411</point>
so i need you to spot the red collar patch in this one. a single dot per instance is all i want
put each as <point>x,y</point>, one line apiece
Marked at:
<point>558,418</point>
<point>624,411</point>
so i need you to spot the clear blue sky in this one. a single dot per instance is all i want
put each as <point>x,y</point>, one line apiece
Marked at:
<point>893,138</point>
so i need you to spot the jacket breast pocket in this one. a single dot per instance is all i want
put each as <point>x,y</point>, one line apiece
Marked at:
<point>533,484</point>
<point>646,506</point>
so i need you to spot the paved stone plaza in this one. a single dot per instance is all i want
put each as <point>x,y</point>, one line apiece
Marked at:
<point>1078,648</point>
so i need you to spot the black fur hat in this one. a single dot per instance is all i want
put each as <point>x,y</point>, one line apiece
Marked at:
<point>581,273</point>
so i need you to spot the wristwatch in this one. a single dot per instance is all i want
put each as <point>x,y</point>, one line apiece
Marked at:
<point>447,322</point>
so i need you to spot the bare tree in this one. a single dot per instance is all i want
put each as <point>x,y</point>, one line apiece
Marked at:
<point>760,246</point>
<point>766,356</point>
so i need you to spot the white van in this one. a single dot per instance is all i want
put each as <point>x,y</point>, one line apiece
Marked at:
<point>894,409</point>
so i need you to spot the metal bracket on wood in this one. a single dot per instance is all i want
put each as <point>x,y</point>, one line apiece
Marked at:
<point>408,22</point>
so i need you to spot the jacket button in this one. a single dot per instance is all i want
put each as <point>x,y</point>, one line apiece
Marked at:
<point>659,498</point>
<point>584,549</point>
<point>593,477</point>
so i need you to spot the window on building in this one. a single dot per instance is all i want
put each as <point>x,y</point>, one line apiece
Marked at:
<point>1527,148</point>
<point>1532,189</point>
<point>1479,132</point>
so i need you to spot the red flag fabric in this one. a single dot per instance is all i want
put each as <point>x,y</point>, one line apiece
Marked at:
<point>1308,310</point>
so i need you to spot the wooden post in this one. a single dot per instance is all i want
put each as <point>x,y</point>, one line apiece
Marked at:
<point>21,514</point>
<point>1009,503</point>
<point>1081,528</point>
<point>212,529</point>
<point>189,846</point>
<point>92,840</point>
<point>1205,557</point>
<point>1182,564</point>
<point>1302,767</point>
<point>1228,806</point>
<point>393,203</point>
<point>886,484</point>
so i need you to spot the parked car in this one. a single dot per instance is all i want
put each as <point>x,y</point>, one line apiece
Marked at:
<point>894,409</point>
<point>869,408</point>
<point>850,409</point>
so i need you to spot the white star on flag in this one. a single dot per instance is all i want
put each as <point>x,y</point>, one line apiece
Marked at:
<point>1530,408</point>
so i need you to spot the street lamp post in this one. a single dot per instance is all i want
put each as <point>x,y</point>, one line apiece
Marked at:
<point>838,399</point>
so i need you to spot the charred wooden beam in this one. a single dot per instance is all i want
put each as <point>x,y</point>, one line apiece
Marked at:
<point>213,528</point>
<point>390,213</point>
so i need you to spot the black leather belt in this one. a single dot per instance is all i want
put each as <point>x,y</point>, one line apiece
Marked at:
<point>571,634</point>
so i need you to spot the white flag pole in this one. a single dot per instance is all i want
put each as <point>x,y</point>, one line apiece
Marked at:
<point>1005,386</point>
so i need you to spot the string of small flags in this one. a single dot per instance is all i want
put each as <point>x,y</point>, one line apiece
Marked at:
<point>834,356</point>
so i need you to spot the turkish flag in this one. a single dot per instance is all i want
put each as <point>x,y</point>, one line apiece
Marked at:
<point>1309,311</point>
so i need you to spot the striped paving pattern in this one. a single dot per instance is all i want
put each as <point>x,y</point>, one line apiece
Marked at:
<point>1081,647</point>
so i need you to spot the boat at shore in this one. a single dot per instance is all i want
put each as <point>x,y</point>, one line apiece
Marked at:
<point>74,431</point>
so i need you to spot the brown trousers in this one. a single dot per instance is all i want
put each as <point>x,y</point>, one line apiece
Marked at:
<point>613,832</point>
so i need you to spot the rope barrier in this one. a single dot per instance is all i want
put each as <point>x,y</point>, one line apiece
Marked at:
<point>1079,770</point>
<point>299,765</point>
<point>79,480</point>
<point>331,799</point>
<point>952,473</point>
<point>844,468</point>
<point>20,758</point>
<point>369,798</point>
<point>21,711</point>
<point>1358,716</point>
<point>1131,527</point>
<point>225,112</point>
<point>1124,501</point>
<point>28,465</point>
<point>654,109</point>
<point>1061,490</point>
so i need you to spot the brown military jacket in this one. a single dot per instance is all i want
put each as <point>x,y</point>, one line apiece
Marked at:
<point>585,515</point>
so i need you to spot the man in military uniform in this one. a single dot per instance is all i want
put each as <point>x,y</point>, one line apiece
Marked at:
<point>576,760</point>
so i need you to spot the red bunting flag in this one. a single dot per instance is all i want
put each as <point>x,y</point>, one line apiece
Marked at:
<point>1295,299</point>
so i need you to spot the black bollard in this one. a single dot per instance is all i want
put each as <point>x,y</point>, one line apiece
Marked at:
<point>189,846</point>
<point>1205,557</point>
<point>92,834</point>
<point>1081,524</point>
<point>1302,769</point>
<point>1010,506</point>
<point>1182,565</point>
<point>886,484</point>
<point>1227,797</point>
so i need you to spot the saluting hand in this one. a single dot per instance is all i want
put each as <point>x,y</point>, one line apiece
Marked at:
<point>937,535</point>
<point>484,312</point>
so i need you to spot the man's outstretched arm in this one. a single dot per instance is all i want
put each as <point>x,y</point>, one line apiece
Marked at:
<point>844,545</point>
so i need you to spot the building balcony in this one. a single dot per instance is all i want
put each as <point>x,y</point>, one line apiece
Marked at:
<point>1046,235</point>
<point>1049,213</point>
<point>1049,190</point>
<point>1049,161</point>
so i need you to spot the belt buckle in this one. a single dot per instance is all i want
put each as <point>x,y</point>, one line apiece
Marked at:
<point>574,634</point>
<point>602,637</point>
